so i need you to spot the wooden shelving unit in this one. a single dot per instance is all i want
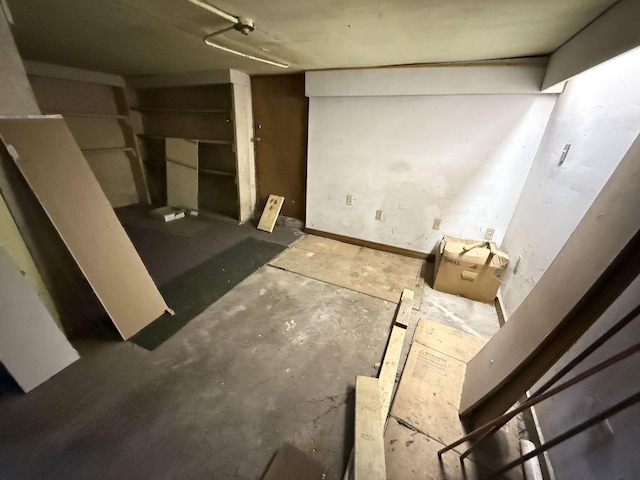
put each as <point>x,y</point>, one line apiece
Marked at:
<point>90,115</point>
<point>109,149</point>
<point>208,171</point>
<point>97,112</point>
<point>204,116</point>
<point>184,110</point>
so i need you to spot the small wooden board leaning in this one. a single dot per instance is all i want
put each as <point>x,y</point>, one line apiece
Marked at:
<point>270,213</point>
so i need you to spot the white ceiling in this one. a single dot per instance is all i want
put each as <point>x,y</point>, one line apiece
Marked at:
<point>135,37</point>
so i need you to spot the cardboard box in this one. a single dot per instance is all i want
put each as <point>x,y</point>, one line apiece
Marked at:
<point>469,268</point>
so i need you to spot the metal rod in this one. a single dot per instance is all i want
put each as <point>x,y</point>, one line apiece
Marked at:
<point>572,364</point>
<point>589,350</point>
<point>501,420</point>
<point>635,398</point>
<point>563,386</point>
<point>217,32</point>
<point>245,55</point>
<point>563,371</point>
<point>213,9</point>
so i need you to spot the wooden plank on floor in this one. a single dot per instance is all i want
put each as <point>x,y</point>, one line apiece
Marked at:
<point>389,368</point>
<point>270,213</point>
<point>427,400</point>
<point>57,172</point>
<point>404,312</point>
<point>391,361</point>
<point>32,347</point>
<point>369,430</point>
<point>450,341</point>
<point>379,274</point>
<point>411,455</point>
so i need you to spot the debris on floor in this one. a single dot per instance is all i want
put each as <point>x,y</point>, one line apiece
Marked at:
<point>168,214</point>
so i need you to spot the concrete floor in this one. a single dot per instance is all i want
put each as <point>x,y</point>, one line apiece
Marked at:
<point>273,361</point>
<point>476,318</point>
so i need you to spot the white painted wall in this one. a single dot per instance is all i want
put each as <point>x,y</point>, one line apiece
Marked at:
<point>599,115</point>
<point>461,158</point>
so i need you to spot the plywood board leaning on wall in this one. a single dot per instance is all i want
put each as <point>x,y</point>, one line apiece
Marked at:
<point>182,173</point>
<point>53,166</point>
<point>270,214</point>
<point>32,347</point>
<point>595,265</point>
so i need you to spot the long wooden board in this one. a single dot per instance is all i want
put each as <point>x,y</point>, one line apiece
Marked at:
<point>32,347</point>
<point>392,354</point>
<point>270,213</point>
<point>369,432</point>
<point>55,169</point>
<point>544,326</point>
<point>390,363</point>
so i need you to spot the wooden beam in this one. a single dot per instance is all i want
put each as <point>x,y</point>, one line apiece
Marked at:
<point>369,461</point>
<point>611,34</point>
<point>391,363</point>
<point>595,265</point>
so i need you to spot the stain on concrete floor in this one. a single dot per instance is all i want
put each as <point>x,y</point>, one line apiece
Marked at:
<point>272,361</point>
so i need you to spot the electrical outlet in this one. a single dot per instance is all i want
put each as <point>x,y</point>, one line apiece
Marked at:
<point>489,234</point>
<point>436,224</point>
<point>379,214</point>
<point>349,199</point>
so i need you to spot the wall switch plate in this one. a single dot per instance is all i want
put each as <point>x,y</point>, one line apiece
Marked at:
<point>563,155</point>
<point>379,214</point>
<point>516,266</point>
<point>436,224</point>
<point>489,234</point>
<point>349,199</point>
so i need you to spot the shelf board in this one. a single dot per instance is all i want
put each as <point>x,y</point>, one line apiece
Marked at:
<point>200,140</point>
<point>108,149</point>
<point>182,110</point>
<point>89,115</point>
<point>216,142</point>
<point>222,173</point>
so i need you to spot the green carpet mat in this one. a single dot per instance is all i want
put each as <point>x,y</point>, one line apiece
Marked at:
<point>192,292</point>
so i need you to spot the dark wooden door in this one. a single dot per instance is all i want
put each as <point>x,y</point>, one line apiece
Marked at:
<point>280,111</point>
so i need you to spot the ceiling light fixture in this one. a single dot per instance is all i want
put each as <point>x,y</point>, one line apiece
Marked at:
<point>245,55</point>
<point>241,24</point>
<point>216,10</point>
